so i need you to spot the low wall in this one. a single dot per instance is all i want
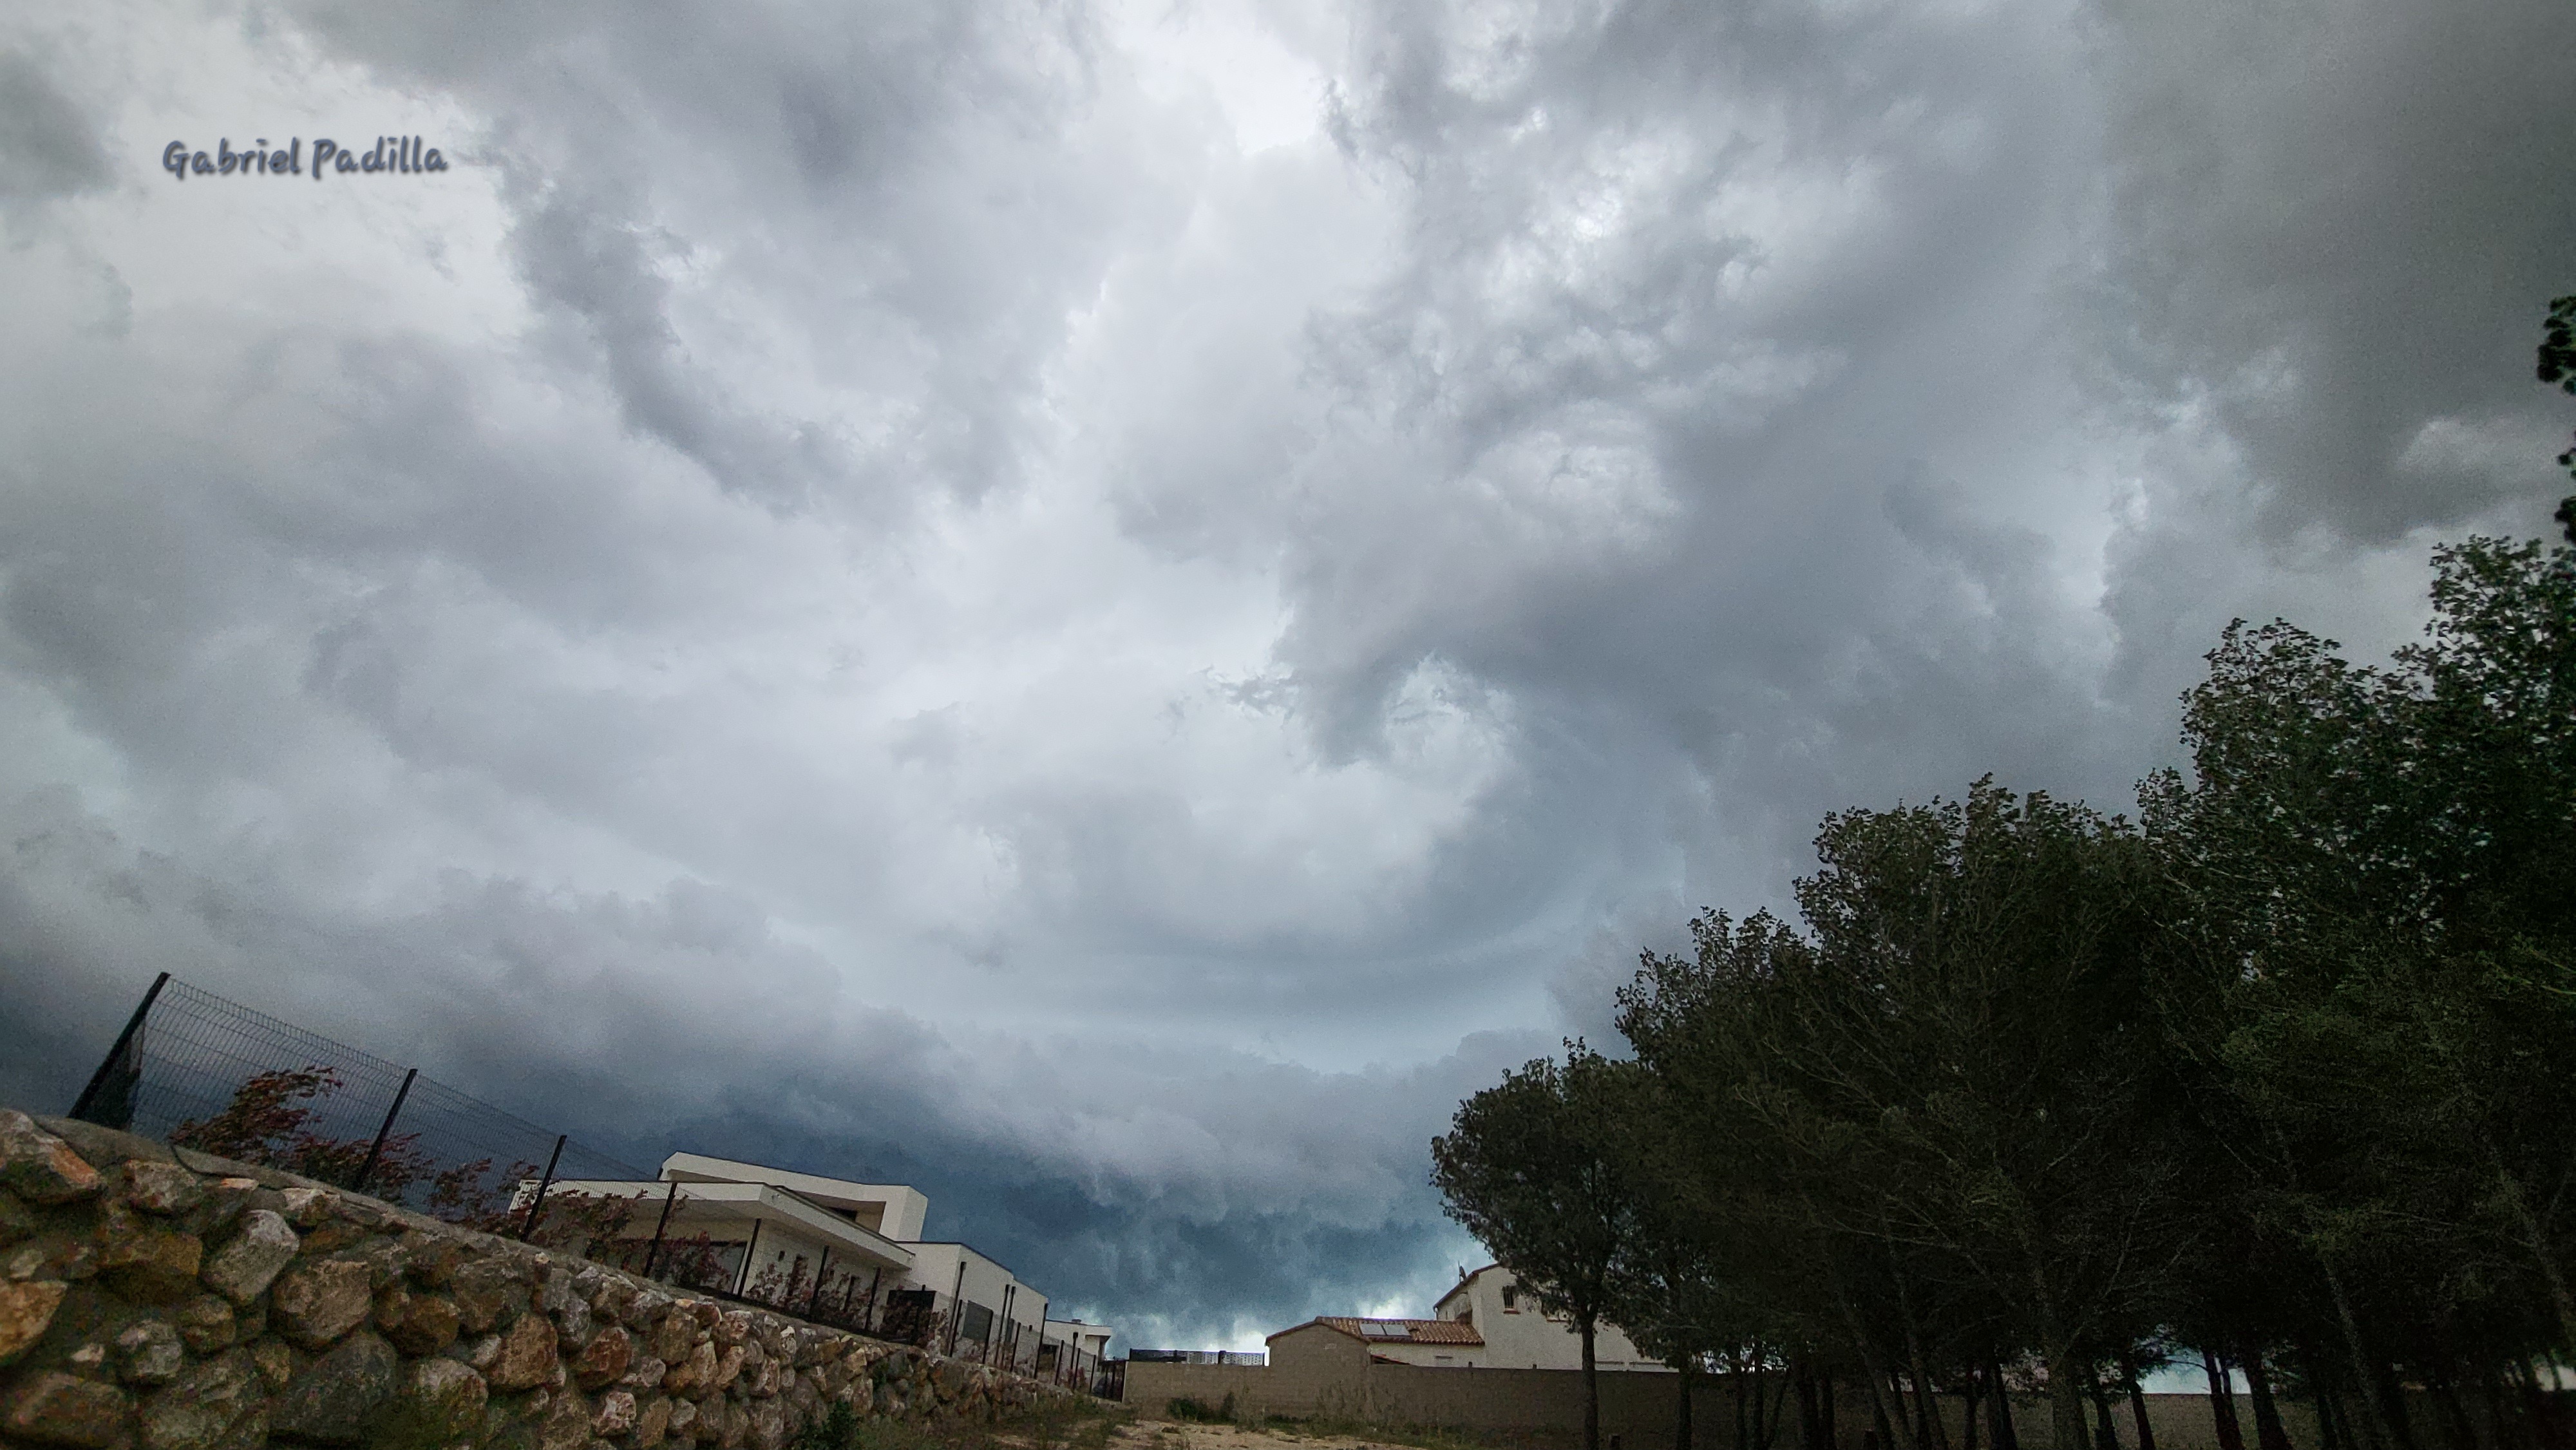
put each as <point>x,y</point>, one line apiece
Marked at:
<point>1639,1408</point>
<point>177,1301</point>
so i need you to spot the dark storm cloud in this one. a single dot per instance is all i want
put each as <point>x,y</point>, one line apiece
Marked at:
<point>2335,232</point>
<point>47,147</point>
<point>908,593</point>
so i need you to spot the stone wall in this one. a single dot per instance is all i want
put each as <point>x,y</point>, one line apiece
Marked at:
<point>175,1301</point>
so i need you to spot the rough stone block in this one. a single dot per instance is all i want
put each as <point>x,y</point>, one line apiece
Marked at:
<point>307,1208</point>
<point>314,1304</point>
<point>674,1336</point>
<point>149,1352</point>
<point>731,1329</point>
<point>242,1269</point>
<point>67,1257</point>
<point>26,1312</point>
<point>202,1407</point>
<point>429,1324</point>
<point>432,1262</point>
<point>163,1188</point>
<point>57,1409</point>
<point>446,1397</point>
<point>336,1395</point>
<point>566,1425</point>
<point>16,1220</point>
<point>276,1363</point>
<point>616,1416</point>
<point>39,1167</point>
<point>695,1374</point>
<point>614,1299</point>
<point>652,1421</point>
<point>149,1265</point>
<point>604,1360</point>
<point>206,1324</point>
<point>488,1293</point>
<point>527,1356</point>
<point>768,1429</point>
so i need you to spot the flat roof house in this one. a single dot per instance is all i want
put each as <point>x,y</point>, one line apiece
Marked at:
<point>826,1249</point>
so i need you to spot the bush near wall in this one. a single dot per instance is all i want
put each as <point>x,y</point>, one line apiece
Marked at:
<point>152,1300</point>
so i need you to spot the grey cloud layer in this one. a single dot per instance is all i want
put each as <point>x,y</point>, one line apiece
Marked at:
<point>870,588</point>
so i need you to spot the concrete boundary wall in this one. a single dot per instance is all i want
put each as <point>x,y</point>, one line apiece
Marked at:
<point>154,1300</point>
<point>1638,1408</point>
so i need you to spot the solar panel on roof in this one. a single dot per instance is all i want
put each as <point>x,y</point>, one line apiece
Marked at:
<point>1378,1329</point>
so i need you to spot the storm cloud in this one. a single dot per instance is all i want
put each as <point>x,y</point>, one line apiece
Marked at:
<point>1103,608</point>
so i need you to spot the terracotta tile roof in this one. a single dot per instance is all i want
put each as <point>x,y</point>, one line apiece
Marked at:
<point>1405,1331</point>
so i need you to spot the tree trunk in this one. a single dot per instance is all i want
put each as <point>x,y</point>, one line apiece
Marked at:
<point>1929,1432</point>
<point>2269,1432</point>
<point>1968,1413</point>
<point>1811,1428</point>
<point>1591,1387</point>
<point>2066,1403</point>
<point>2377,1434</point>
<point>2535,1407</point>
<point>2222,1402</point>
<point>1999,1407</point>
<point>2537,1242</point>
<point>2105,1435</point>
<point>2455,1415</point>
<point>1682,1408</point>
<point>2137,1401</point>
<point>1871,1374</point>
<point>1825,1411</point>
<point>2330,1429</point>
<point>2392,1399</point>
<point>1928,1429</point>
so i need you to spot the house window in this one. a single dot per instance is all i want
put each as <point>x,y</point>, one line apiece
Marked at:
<point>1511,1299</point>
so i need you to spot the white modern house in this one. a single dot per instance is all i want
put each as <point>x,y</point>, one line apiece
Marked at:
<point>1069,1344</point>
<point>825,1248</point>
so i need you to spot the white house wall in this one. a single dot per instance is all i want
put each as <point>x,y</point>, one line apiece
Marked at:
<point>1522,1337</point>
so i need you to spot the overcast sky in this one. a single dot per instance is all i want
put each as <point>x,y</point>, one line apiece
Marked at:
<point>1104,608</point>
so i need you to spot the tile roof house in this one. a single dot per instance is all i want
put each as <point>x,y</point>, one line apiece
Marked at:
<point>1516,1334</point>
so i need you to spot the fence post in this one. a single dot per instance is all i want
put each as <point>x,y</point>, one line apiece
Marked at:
<point>529,1226</point>
<point>376,1150</point>
<point>107,1066</point>
<point>742,1281</point>
<point>655,1252</point>
<point>815,1296</point>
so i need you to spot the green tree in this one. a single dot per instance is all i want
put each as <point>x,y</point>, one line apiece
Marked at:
<point>1526,1167</point>
<point>2376,916</point>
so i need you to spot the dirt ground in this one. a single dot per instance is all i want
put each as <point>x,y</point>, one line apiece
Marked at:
<point>1172,1435</point>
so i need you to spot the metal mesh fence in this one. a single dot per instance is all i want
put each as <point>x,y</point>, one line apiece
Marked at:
<point>199,1071</point>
